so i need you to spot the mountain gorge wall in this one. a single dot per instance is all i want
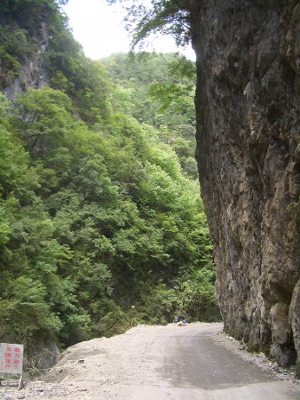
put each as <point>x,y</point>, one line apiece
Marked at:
<point>248,153</point>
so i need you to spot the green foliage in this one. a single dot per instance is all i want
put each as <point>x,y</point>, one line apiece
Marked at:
<point>97,214</point>
<point>196,296</point>
<point>82,79</point>
<point>159,92</point>
<point>14,49</point>
<point>106,217</point>
<point>43,119</point>
<point>25,310</point>
<point>27,260</point>
<point>180,90</point>
<point>29,14</point>
<point>167,17</point>
<point>160,304</point>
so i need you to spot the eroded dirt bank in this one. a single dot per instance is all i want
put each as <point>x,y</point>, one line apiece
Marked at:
<point>196,361</point>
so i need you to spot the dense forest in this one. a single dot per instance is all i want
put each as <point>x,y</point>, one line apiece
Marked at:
<point>101,222</point>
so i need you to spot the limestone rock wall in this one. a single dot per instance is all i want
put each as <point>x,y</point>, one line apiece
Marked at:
<point>248,153</point>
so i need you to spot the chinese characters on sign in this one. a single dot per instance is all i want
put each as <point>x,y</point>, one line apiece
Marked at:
<point>11,358</point>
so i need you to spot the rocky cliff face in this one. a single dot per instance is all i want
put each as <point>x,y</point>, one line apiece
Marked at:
<point>248,152</point>
<point>32,68</point>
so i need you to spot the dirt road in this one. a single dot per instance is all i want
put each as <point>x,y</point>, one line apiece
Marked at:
<point>162,363</point>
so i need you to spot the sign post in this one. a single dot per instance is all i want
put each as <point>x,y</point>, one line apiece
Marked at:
<point>11,359</point>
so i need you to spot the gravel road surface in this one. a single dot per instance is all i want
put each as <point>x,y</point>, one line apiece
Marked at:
<point>195,362</point>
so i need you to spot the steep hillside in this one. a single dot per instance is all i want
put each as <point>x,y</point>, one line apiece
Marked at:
<point>101,223</point>
<point>248,151</point>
